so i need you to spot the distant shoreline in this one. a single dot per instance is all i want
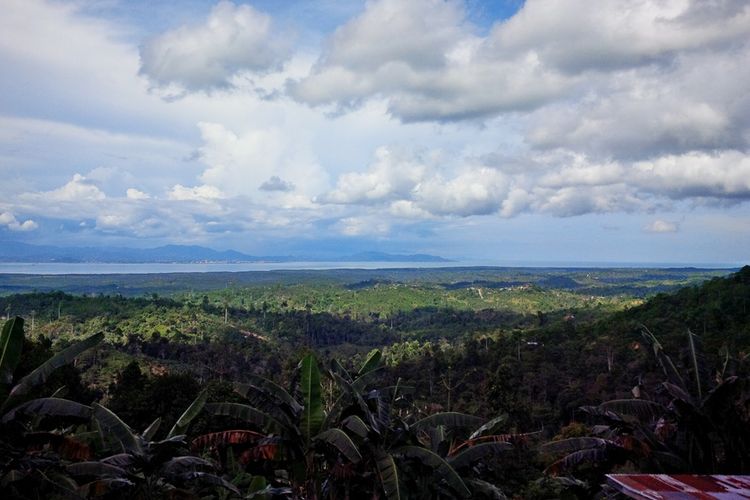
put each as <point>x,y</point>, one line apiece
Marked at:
<point>102,268</point>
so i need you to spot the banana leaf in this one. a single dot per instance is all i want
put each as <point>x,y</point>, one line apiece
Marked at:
<point>182,424</point>
<point>248,414</point>
<point>339,440</point>
<point>577,443</point>
<point>11,344</point>
<point>99,470</point>
<point>186,463</point>
<point>49,407</point>
<point>110,425</point>
<point>372,362</point>
<point>642,409</point>
<point>312,414</point>
<point>150,431</point>
<point>448,419</point>
<point>265,402</point>
<point>356,425</point>
<point>470,456</point>
<point>489,427</point>
<point>388,474</point>
<point>442,469</point>
<point>488,490</point>
<point>40,375</point>
<point>274,390</point>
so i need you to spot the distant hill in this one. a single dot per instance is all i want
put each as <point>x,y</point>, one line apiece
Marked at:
<point>24,252</point>
<point>718,311</point>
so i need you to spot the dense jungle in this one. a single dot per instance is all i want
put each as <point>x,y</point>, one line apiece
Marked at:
<point>393,384</point>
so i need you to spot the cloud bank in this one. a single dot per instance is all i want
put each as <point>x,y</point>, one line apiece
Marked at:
<point>407,118</point>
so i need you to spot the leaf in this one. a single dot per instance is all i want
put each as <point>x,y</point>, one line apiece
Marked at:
<point>182,424</point>
<point>60,392</point>
<point>694,360</point>
<point>437,439</point>
<point>362,381</point>
<point>150,431</point>
<point>312,414</point>
<point>339,370</point>
<point>680,394</point>
<point>372,362</point>
<point>40,375</point>
<point>49,407</point>
<point>356,425</point>
<point>588,455</point>
<point>388,474</point>
<point>266,403</point>
<point>517,440</point>
<point>488,490</point>
<point>473,454</point>
<point>669,368</point>
<point>122,460</point>
<point>642,409</point>
<point>183,463</point>
<point>210,479</point>
<point>338,439</point>
<point>274,390</point>
<point>441,468</point>
<point>247,414</point>
<point>110,425</point>
<point>102,487</point>
<point>99,470</point>
<point>11,344</point>
<point>448,419</point>
<point>575,444</point>
<point>348,391</point>
<point>489,427</point>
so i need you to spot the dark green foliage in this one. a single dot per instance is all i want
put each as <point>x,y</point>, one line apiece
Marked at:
<point>386,421</point>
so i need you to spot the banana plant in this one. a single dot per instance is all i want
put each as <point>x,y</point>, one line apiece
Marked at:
<point>402,460</point>
<point>31,457</point>
<point>694,428</point>
<point>137,465</point>
<point>284,428</point>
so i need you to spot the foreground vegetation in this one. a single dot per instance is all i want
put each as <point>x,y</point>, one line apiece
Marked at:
<point>534,397</point>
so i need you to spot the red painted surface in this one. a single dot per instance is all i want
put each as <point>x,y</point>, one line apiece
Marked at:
<point>680,486</point>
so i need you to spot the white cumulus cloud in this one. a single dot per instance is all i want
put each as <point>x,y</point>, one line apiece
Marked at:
<point>10,221</point>
<point>234,38</point>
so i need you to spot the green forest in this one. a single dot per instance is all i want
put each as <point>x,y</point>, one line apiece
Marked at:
<point>483,383</point>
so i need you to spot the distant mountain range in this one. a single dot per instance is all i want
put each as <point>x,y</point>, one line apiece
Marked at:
<point>24,252</point>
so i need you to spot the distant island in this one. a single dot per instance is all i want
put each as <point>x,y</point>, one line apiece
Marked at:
<point>27,253</point>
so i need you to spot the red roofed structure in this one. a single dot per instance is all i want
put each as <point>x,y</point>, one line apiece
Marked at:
<point>680,486</point>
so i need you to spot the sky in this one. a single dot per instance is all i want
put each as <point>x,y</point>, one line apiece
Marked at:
<point>502,131</point>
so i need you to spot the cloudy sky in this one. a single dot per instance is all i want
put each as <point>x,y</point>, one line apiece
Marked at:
<point>537,131</point>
